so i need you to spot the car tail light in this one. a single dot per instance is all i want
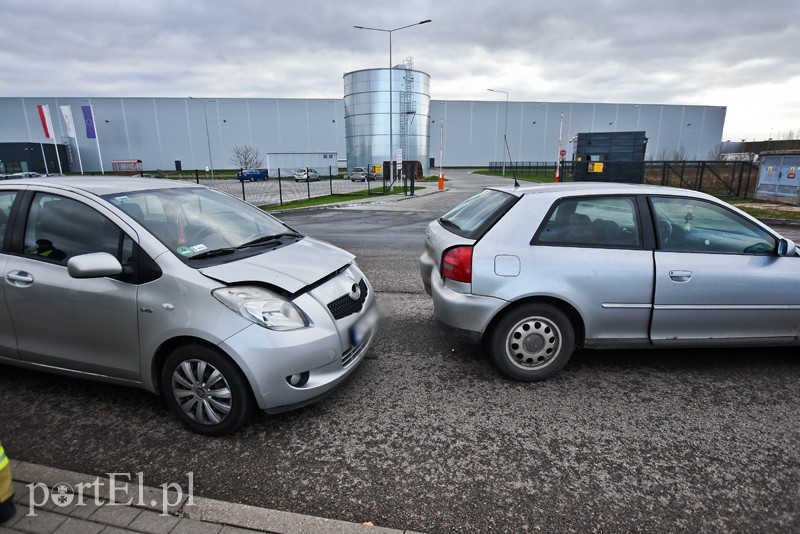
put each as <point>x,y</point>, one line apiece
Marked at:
<point>457,264</point>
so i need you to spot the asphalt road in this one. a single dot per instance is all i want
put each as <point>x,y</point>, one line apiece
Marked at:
<point>427,435</point>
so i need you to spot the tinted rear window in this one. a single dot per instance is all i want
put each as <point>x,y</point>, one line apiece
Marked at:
<point>473,217</point>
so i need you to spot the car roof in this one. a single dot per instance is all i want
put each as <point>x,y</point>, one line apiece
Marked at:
<point>596,188</point>
<point>104,185</point>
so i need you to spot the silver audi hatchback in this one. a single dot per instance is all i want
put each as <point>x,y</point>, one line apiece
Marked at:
<point>534,272</point>
<point>177,289</point>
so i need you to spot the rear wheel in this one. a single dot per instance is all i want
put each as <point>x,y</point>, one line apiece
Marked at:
<point>206,390</point>
<point>533,342</point>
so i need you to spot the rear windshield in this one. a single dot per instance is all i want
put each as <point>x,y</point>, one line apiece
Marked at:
<point>473,217</point>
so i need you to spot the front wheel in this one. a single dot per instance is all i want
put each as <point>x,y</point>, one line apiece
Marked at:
<point>533,342</point>
<point>206,390</point>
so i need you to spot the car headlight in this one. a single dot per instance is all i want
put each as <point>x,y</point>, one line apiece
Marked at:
<point>262,306</point>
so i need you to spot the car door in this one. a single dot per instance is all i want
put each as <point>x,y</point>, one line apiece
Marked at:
<point>8,339</point>
<point>595,253</point>
<point>90,324</point>
<point>719,278</point>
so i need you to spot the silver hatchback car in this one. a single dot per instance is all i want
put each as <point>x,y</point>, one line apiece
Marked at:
<point>177,289</point>
<point>306,174</point>
<point>535,272</point>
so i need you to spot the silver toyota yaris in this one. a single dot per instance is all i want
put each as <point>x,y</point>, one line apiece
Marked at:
<point>536,271</point>
<point>177,289</point>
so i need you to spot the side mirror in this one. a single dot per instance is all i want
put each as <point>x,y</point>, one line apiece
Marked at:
<point>786,247</point>
<point>94,265</point>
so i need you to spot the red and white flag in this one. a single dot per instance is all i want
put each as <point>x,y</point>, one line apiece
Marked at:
<point>47,123</point>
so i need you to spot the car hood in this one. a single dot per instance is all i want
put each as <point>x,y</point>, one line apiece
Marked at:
<point>290,268</point>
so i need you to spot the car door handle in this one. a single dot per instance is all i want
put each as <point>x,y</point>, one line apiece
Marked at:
<point>680,276</point>
<point>19,278</point>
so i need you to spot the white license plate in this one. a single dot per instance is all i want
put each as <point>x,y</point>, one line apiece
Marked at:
<point>368,322</point>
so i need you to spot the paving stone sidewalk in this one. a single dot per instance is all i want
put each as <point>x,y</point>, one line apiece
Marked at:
<point>56,501</point>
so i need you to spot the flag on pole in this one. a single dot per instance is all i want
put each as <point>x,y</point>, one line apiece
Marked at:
<point>47,124</point>
<point>66,112</point>
<point>89,119</point>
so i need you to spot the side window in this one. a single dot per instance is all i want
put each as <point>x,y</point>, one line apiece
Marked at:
<point>6,200</point>
<point>59,228</point>
<point>592,222</point>
<point>695,225</point>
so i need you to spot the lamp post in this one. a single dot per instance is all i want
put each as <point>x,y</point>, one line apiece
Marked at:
<point>208,137</point>
<point>391,133</point>
<point>505,128</point>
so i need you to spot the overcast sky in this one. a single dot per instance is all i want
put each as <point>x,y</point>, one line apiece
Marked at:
<point>741,54</point>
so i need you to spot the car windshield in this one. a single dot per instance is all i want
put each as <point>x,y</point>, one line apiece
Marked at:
<point>200,222</point>
<point>473,217</point>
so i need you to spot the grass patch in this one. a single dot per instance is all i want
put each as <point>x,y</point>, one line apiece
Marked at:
<point>762,209</point>
<point>332,199</point>
<point>771,214</point>
<point>541,177</point>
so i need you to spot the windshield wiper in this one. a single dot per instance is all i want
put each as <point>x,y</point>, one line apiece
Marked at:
<point>267,239</point>
<point>213,252</point>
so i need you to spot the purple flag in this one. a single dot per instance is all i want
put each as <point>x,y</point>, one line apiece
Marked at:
<point>89,119</point>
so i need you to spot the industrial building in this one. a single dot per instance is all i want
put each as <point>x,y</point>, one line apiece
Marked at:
<point>195,133</point>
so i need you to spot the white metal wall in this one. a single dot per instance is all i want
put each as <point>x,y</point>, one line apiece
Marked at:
<point>473,130</point>
<point>161,130</point>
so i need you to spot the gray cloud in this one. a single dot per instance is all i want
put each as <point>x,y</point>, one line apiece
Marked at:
<point>712,52</point>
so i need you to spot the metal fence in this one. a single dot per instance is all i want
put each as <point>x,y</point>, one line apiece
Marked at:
<point>279,191</point>
<point>720,178</point>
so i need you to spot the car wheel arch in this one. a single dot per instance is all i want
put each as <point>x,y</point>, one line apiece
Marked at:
<point>171,345</point>
<point>571,312</point>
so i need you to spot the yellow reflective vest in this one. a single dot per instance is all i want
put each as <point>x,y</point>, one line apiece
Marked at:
<point>3,457</point>
<point>6,485</point>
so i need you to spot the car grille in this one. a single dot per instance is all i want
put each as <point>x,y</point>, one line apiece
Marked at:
<point>345,306</point>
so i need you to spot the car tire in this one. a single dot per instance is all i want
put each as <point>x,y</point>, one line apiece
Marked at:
<point>215,409</point>
<point>532,342</point>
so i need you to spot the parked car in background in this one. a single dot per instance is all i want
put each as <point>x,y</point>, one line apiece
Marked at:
<point>535,272</point>
<point>27,174</point>
<point>180,290</point>
<point>361,174</point>
<point>252,175</point>
<point>306,174</point>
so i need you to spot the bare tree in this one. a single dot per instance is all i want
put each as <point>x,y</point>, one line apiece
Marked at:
<point>246,157</point>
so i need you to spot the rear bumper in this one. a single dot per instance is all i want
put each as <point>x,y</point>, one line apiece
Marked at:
<point>467,336</point>
<point>425,270</point>
<point>465,315</point>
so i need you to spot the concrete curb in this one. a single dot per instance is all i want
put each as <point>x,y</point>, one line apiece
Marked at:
<point>200,511</point>
<point>379,199</point>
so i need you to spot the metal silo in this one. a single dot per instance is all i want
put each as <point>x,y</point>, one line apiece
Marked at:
<point>367,111</point>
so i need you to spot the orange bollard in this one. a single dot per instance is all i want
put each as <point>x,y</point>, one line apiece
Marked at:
<point>555,177</point>
<point>441,181</point>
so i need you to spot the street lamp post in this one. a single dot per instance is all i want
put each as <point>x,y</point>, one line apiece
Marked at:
<point>391,133</point>
<point>208,137</point>
<point>505,128</point>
